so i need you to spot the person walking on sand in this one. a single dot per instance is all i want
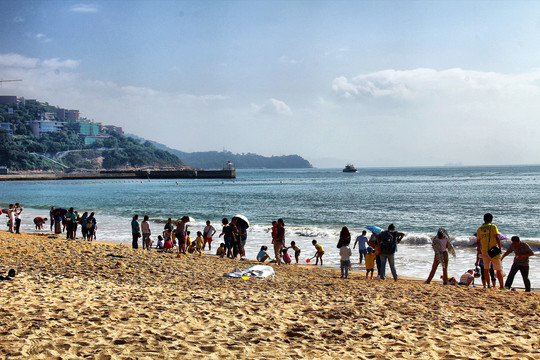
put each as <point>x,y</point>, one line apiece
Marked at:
<point>208,232</point>
<point>487,239</point>
<point>145,228</point>
<point>441,246</point>
<point>345,253</point>
<point>522,253</point>
<point>135,231</point>
<point>361,240</point>
<point>387,242</point>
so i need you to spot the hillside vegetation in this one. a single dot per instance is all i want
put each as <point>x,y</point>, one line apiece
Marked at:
<point>23,151</point>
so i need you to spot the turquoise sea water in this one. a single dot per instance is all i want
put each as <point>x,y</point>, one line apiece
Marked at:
<point>315,204</point>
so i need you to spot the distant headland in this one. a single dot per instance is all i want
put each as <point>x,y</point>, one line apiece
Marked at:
<point>36,137</point>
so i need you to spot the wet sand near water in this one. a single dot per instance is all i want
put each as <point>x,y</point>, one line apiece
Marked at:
<point>73,299</point>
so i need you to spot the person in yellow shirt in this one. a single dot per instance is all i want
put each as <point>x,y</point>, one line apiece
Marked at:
<point>199,241</point>
<point>370,262</point>
<point>487,237</point>
<point>320,252</point>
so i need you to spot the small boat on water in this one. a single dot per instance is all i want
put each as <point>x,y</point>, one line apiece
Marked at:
<point>349,168</point>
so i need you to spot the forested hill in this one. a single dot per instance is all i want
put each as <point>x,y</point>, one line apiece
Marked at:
<point>216,159</point>
<point>65,149</point>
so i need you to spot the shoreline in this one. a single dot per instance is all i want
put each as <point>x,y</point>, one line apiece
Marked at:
<point>81,299</point>
<point>335,269</point>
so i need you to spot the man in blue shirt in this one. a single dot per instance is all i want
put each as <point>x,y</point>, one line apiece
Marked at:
<point>361,240</point>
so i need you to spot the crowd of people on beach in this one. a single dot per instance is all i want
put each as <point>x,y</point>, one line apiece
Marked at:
<point>376,252</point>
<point>382,246</point>
<point>61,221</point>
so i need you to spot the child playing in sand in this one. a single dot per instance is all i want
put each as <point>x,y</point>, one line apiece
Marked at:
<point>285,256</point>
<point>262,256</point>
<point>199,241</point>
<point>296,251</point>
<point>188,239</point>
<point>191,248</point>
<point>160,243</point>
<point>467,278</point>
<point>221,250</point>
<point>168,245</point>
<point>370,262</point>
<point>320,252</point>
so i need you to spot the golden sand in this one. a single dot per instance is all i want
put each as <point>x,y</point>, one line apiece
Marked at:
<point>72,299</point>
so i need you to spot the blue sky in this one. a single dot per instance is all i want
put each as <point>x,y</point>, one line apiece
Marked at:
<point>376,83</point>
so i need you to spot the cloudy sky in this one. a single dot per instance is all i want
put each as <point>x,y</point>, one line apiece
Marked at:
<point>375,83</point>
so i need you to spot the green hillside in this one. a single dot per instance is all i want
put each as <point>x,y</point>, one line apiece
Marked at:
<point>66,149</point>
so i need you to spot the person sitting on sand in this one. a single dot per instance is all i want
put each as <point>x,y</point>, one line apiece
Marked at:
<point>370,261</point>
<point>39,221</point>
<point>191,248</point>
<point>286,257</point>
<point>262,256</point>
<point>320,252</point>
<point>160,243</point>
<point>221,251</point>
<point>296,251</point>
<point>467,278</point>
<point>168,245</point>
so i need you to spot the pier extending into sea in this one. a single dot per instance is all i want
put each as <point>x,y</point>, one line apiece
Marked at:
<point>139,174</point>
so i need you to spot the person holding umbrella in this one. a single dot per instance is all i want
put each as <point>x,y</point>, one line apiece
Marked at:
<point>242,225</point>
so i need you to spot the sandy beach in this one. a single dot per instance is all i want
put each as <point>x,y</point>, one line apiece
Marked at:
<point>72,299</point>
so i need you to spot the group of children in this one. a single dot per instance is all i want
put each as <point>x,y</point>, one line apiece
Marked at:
<point>262,256</point>
<point>193,247</point>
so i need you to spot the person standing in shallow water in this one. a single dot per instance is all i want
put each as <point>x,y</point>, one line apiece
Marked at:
<point>487,237</point>
<point>521,262</point>
<point>441,246</point>
<point>135,231</point>
<point>387,242</point>
<point>279,240</point>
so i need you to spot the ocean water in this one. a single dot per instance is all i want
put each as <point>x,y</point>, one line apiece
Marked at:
<point>316,204</point>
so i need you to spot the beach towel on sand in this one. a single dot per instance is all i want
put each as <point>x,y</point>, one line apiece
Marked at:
<point>260,271</point>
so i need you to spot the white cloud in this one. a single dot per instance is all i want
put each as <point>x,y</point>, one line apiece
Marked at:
<point>16,60</point>
<point>57,63</point>
<point>422,84</point>
<point>273,107</point>
<point>287,61</point>
<point>18,20</point>
<point>84,8</point>
<point>43,38</point>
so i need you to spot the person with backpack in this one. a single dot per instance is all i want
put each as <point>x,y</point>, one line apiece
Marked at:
<point>387,242</point>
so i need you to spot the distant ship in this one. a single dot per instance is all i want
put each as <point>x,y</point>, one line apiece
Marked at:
<point>349,168</point>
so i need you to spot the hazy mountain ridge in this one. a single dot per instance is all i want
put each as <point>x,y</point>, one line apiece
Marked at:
<point>217,159</point>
